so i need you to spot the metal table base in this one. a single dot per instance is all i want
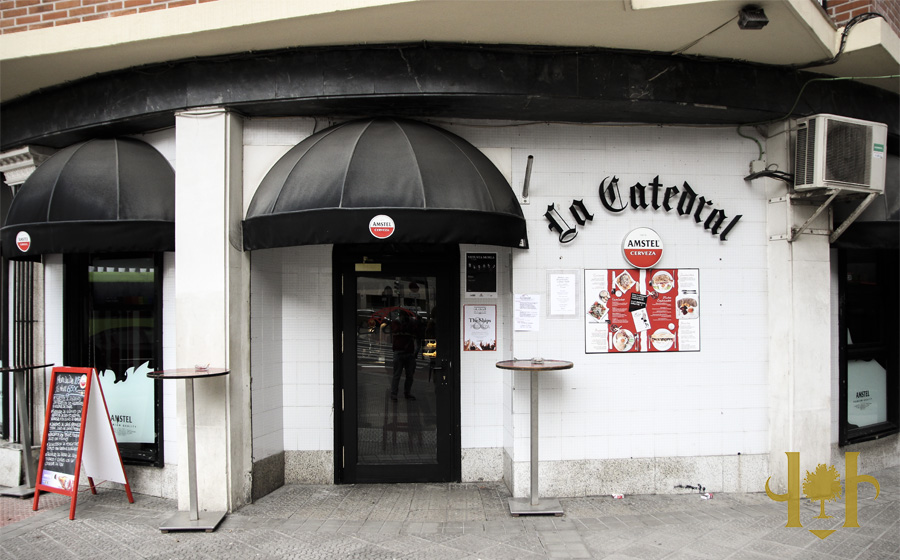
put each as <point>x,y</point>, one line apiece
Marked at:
<point>545,506</point>
<point>193,519</point>
<point>534,505</point>
<point>181,521</point>
<point>29,465</point>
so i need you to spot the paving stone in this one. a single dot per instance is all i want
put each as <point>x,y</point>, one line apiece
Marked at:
<point>458,521</point>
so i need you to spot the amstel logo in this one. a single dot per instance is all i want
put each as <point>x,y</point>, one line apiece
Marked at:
<point>642,248</point>
<point>381,226</point>
<point>23,241</point>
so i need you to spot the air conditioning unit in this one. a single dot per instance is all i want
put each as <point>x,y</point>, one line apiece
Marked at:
<point>834,152</point>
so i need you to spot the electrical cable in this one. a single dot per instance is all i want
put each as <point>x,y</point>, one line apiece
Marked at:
<point>800,94</point>
<point>692,43</point>
<point>853,21</point>
<point>758,143</point>
<point>774,174</point>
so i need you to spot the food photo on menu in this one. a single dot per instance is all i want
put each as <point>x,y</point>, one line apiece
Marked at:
<point>653,310</point>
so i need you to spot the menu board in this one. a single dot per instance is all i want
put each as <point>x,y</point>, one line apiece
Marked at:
<point>78,435</point>
<point>631,310</point>
<point>64,430</point>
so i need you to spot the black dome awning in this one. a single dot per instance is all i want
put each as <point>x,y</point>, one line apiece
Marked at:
<point>431,185</point>
<point>99,196</point>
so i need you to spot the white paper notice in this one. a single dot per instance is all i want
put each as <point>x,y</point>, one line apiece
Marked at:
<point>563,298</point>
<point>527,312</point>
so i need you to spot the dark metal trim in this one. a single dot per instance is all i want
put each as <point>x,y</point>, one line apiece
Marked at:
<point>341,226</point>
<point>518,82</point>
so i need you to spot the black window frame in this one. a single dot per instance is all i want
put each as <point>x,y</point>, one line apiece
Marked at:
<point>884,349</point>
<point>76,347</point>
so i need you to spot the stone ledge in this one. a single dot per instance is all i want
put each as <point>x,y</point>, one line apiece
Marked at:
<point>648,475</point>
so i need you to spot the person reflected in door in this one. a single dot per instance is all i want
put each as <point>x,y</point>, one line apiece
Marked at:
<point>404,345</point>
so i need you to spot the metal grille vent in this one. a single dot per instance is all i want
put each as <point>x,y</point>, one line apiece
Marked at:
<point>847,153</point>
<point>805,159</point>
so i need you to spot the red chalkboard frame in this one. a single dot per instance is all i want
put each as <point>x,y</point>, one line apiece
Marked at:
<point>86,399</point>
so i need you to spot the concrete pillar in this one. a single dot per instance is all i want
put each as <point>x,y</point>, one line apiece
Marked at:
<point>799,322</point>
<point>212,305</point>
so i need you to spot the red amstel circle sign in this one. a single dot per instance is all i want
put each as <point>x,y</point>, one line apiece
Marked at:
<point>642,247</point>
<point>381,226</point>
<point>23,241</point>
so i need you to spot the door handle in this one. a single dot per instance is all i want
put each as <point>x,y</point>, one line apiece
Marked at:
<point>443,368</point>
<point>445,364</point>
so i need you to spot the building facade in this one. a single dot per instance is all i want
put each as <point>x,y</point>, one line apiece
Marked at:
<point>334,202</point>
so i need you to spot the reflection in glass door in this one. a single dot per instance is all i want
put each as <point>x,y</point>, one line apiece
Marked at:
<point>400,396</point>
<point>396,349</point>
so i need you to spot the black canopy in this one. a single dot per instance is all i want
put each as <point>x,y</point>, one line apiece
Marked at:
<point>433,187</point>
<point>99,196</point>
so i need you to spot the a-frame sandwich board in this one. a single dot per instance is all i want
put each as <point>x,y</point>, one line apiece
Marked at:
<point>77,433</point>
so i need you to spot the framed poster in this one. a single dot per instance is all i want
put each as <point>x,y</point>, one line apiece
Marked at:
<point>480,328</point>
<point>631,310</point>
<point>481,275</point>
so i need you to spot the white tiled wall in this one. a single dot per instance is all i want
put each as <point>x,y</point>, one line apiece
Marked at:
<point>53,309</point>
<point>482,389</point>
<point>308,348</point>
<point>711,402</point>
<point>266,343</point>
<point>170,418</point>
<point>291,333</point>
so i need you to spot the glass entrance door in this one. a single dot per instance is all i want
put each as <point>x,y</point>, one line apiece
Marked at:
<point>400,392</point>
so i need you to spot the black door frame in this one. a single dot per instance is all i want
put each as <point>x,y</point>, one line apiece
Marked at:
<point>447,257</point>
<point>76,346</point>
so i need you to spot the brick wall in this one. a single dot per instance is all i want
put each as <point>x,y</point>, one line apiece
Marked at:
<point>25,15</point>
<point>841,11</point>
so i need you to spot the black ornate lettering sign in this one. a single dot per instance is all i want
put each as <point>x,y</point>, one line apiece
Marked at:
<point>685,201</point>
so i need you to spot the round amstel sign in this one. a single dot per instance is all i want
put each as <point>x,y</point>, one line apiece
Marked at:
<point>381,226</point>
<point>23,241</point>
<point>642,247</point>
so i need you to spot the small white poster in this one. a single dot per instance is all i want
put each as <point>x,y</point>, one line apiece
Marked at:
<point>480,328</point>
<point>526,312</point>
<point>563,293</point>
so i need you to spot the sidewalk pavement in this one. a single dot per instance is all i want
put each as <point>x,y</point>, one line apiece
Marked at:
<point>464,521</point>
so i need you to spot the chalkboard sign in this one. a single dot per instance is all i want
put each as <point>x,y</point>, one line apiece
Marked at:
<point>64,430</point>
<point>77,434</point>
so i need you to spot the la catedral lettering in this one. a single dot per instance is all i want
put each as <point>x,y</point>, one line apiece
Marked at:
<point>652,195</point>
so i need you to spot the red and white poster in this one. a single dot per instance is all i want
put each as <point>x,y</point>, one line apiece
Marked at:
<point>630,310</point>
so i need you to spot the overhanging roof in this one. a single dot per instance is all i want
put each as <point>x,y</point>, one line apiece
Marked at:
<point>799,31</point>
<point>100,196</point>
<point>433,185</point>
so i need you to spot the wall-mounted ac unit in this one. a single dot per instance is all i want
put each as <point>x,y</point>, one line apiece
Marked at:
<point>834,152</point>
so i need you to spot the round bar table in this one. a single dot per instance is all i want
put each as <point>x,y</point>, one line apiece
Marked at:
<point>533,505</point>
<point>192,520</point>
<point>26,490</point>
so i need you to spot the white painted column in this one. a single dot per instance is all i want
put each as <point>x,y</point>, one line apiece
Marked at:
<point>212,305</point>
<point>799,323</point>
